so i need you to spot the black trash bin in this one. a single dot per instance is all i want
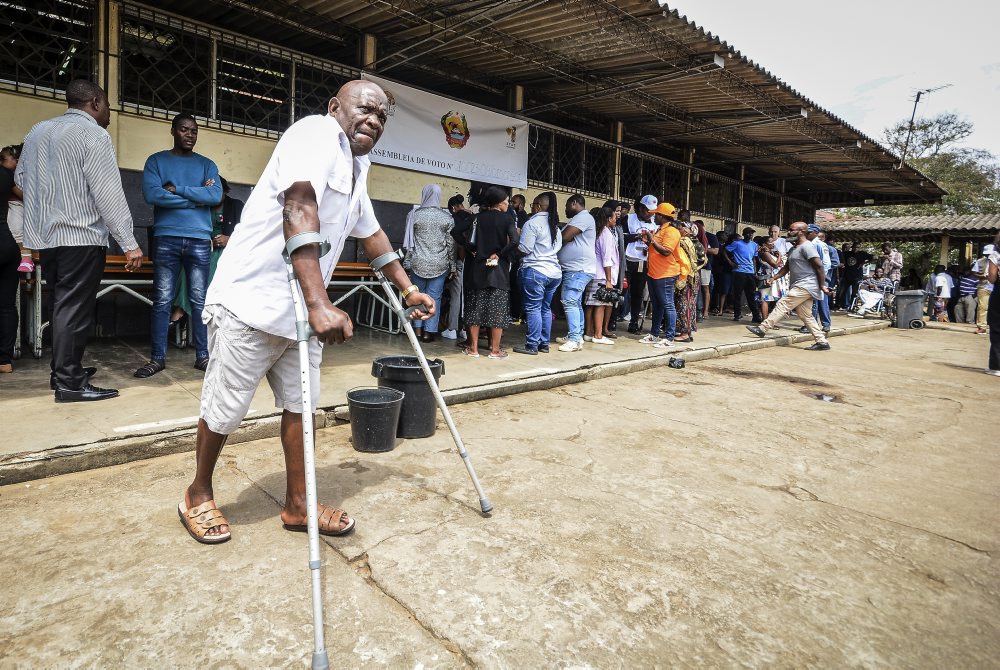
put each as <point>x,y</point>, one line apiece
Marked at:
<point>374,417</point>
<point>418,417</point>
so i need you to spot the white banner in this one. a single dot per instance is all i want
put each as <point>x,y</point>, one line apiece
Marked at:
<point>430,133</point>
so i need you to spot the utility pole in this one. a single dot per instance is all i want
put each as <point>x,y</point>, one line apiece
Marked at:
<point>909,131</point>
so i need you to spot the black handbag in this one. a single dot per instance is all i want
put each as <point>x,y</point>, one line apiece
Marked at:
<point>608,294</point>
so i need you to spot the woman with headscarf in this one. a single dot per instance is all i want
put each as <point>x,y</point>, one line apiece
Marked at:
<point>429,253</point>
<point>687,289</point>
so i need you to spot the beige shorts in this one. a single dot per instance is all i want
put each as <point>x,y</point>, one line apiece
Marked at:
<point>239,357</point>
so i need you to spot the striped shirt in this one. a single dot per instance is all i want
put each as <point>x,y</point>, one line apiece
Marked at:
<point>73,192</point>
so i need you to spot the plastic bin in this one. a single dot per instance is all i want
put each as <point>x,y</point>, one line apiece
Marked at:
<point>910,309</point>
<point>418,417</point>
<point>374,417</point>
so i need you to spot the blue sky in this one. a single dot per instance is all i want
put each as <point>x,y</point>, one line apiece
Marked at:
<point>863,60</point>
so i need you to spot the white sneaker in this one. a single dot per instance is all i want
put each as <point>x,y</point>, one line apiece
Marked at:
<point>562,340</point>
<point>449,334</point>
<point>664,343</point>
<point>648,339</point>
<point>588,338</point>
<point>995,373</point>
<point>602,340</point>
<point>627,317</point>
<point>570,345</point>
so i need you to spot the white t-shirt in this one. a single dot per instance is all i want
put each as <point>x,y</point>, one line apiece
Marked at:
<point>782,245</point>
<point>251,280</point>
<point>637,251</point>
<point>944,281</point>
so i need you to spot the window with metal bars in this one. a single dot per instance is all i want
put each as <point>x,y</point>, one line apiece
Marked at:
<point>253,88</point>
<point>46,44</point>
<point>539,153</point>
<point>164,70</point>
<point>652,178</point>
<point>170,65</point>
<point>569,164</point>
<point>630,180</point>
<point>598,176</point>
<point>313,89</point>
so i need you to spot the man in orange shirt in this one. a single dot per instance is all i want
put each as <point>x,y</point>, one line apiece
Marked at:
<point>666,266</point>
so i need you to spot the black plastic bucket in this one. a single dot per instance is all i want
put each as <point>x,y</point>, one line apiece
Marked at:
<point>403,373</point>
<point>374,416</point>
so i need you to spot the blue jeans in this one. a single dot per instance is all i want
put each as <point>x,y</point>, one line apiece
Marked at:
<point>171,254</point>
<point>538,291</point>
<point>661,294</point>
<point>433,287</point>
<point>574,283</point>
<point>821,308</point>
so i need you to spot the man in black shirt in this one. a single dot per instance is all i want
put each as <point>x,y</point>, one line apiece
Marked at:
<point>854,269</point>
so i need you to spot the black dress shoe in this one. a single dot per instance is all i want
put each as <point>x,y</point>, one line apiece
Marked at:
<point>85,394</point>
<point>819,346</point>
<point>90,372</point>
<point>201,364</point>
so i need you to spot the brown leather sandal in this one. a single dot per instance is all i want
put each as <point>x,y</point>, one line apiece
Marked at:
<point>202,518</point>
<point>328,517</point>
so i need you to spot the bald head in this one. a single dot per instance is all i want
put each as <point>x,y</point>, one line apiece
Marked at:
<point>361,108</point>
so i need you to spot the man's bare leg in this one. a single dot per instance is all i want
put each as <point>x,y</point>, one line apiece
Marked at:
<point>208,446</point>
<point>295,511</point>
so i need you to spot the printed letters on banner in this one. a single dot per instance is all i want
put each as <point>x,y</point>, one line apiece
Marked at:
<point>430,133</point>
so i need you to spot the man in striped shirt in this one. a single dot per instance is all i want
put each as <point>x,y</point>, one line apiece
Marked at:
<point>73,198</point>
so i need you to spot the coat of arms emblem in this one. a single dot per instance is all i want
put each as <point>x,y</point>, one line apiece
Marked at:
<point>456,129</point>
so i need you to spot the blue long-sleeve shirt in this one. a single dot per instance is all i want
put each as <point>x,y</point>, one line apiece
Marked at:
<point>188,212</point>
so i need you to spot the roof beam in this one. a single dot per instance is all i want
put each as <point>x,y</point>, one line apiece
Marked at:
<point>683,72</point>
<point>711,129</point>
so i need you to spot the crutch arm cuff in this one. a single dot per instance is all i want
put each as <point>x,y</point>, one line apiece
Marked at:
<point>302,239</point>
<point>380,262</point>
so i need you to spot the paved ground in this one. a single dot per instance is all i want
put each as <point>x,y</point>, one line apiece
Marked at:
<point>719,515</point>
<point>170,400</point>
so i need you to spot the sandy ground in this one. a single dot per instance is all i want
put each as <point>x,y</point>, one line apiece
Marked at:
<point>726,514</point>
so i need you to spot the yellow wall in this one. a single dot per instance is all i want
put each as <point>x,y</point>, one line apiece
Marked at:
<point>21,112</point>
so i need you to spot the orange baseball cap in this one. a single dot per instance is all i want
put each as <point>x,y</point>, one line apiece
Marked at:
<point>666,209</point>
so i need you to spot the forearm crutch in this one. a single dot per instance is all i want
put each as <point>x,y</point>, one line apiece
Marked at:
<point>320,660</point>
<point>404,314</point>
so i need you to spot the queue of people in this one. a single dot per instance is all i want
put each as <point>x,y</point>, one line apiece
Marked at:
<point>491,264</point>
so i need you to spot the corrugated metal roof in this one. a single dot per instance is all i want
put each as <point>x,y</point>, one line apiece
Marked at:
<point>585,64</point>
<point>910,227</point>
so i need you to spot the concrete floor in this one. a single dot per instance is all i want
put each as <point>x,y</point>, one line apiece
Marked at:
<point>719,515</point>
<point>170,400</point>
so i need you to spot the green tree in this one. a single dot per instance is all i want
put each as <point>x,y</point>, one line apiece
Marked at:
<point>970,176</point>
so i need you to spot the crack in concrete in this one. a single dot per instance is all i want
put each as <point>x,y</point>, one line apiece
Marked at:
<point>362,566</point>
<point>805,495</point>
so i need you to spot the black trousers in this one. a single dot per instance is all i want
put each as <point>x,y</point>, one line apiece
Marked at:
<point>744,285</point>
<point>636,285</point>
<point>74,276</point>
<point>10,258</point>
<point>993,323</point>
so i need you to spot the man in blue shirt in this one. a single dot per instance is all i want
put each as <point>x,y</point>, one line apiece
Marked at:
<point>182,187</point>
<point>741,258</point>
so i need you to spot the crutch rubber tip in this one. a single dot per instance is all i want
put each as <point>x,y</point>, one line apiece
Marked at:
<point>321,661</point>
<point>486,505</point>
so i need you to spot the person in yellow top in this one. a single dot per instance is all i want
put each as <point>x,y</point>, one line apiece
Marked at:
<point>666,266</point>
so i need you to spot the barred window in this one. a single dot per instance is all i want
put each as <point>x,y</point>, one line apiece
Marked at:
<point>539,150</point>
<point>253,88</point>
<point>597,177</point>
<point>652,178</point>
<point>165,69</point>
<point>631,177</point>
<point>314,88</point>
<point>170,65</point>
<point>569,162</point>
<point>47,44</point>
<point>674,184</point>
